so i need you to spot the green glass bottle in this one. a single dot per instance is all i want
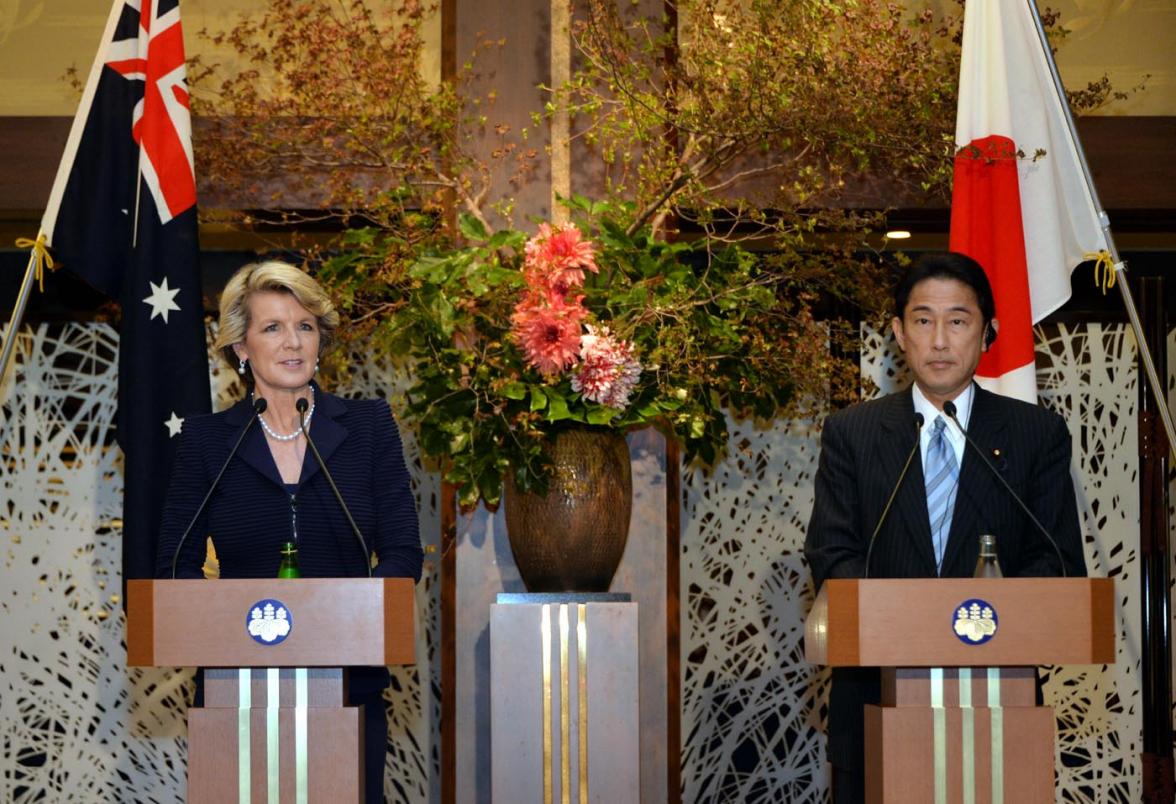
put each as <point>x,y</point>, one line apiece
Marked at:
<point>289,566</point>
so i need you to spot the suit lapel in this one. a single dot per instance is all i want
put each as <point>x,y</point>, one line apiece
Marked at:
<point>986,426</point>
<point>909,514</point>
<point>327,433</point>
<point>254,451</point>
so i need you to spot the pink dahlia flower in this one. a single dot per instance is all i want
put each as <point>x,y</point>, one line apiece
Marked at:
<point>548,334</point>
<point>608,371</point>
<point>558,257</point>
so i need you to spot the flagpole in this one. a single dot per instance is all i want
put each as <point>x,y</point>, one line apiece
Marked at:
<point>1104,221</point>
<point>18,311</point>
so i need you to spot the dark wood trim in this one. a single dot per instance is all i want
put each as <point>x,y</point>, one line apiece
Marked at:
<point>1130,158</point>
<point>448,40</point>
<point>30,151</point>
<point>673,622</point>
<point>448,636</point>
<point>448,642</point>
<point>673,511</point>
<point>1155,581</point>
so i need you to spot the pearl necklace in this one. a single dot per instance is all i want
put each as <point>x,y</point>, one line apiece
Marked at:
<point>278,436</point>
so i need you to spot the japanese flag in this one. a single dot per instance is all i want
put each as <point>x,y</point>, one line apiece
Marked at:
<point>1021,206</point>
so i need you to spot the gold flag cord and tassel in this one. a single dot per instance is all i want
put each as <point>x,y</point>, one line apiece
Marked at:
<point>1104,269</point>
<point>41,257</point>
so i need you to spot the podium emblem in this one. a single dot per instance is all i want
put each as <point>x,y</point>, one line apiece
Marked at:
<point>269,622</point>
<point>975,622</point>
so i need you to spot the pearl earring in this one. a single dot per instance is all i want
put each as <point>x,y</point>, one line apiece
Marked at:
<point>241,366</point>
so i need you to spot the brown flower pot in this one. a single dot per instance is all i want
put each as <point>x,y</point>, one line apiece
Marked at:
<point>572,539</point>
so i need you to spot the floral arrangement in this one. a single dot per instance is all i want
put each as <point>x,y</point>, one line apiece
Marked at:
<point>510,338</point>
<point>548,322</point>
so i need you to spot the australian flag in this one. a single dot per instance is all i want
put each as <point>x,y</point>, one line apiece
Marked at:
<point>122,216</point>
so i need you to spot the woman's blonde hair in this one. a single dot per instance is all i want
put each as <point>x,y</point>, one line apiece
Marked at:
<point>273,276</point>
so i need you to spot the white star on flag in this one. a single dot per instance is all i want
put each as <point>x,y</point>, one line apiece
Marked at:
<point>174,425</point>
<point>162,299</point>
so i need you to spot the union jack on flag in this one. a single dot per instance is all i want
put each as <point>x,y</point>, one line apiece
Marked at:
<point>162,125</point>
<point>122,216</point>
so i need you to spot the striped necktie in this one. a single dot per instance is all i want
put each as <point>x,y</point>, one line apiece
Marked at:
<point>941,473</point>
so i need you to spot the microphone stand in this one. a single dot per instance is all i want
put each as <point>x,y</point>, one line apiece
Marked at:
<point>950,409</point>
<point>301,405</point>
<point>259,406</point>
<point>894,493</point>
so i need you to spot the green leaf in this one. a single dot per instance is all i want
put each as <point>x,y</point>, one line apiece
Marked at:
<point>514,390</point>
<point>538,398</point>
<point>476,281</point>
<point>557,408</point>
<point>495,275</point>
<point>471,228</point>
<point>602,414</point>
<point>428,267</point>
<point>360,237</point>
<point>443,313</point>
<point>467,495</point>
<point>616,232</point>
<point>506,237</point>
<point>490,487</point>
<point>577,202</point>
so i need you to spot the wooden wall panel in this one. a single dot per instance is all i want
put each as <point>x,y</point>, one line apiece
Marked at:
<point>1131,157</point>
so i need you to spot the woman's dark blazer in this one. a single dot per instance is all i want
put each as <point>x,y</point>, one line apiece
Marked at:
<point>251,513</point>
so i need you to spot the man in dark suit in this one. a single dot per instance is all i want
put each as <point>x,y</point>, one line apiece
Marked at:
<point>944,320</point>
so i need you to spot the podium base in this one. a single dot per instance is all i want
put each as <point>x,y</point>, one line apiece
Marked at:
<point>277,735</point>
<point>913,759</point>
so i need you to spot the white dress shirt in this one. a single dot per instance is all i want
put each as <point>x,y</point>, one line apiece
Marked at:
<point>954,437</point>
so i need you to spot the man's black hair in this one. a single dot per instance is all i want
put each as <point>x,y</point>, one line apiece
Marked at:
<point>947,265</point>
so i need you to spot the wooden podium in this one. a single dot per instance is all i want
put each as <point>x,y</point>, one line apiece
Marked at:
<point>274,726</point>
<point>958,721</point>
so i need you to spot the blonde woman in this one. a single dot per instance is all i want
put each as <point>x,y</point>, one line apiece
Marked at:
<point>275,322</point>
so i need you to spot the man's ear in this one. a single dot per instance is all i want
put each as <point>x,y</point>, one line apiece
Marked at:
<point>990,334</point>
<point>899,335</point>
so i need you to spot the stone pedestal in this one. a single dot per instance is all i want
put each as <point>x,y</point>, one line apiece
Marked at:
<point>564,691</point>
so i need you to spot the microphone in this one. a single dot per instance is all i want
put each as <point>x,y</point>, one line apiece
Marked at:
<point>301,406</point>
<point>893,494</point>
<point>950,409</point>
<point>259,406</point>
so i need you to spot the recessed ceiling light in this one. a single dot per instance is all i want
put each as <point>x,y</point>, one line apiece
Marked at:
<point>898,234</point>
